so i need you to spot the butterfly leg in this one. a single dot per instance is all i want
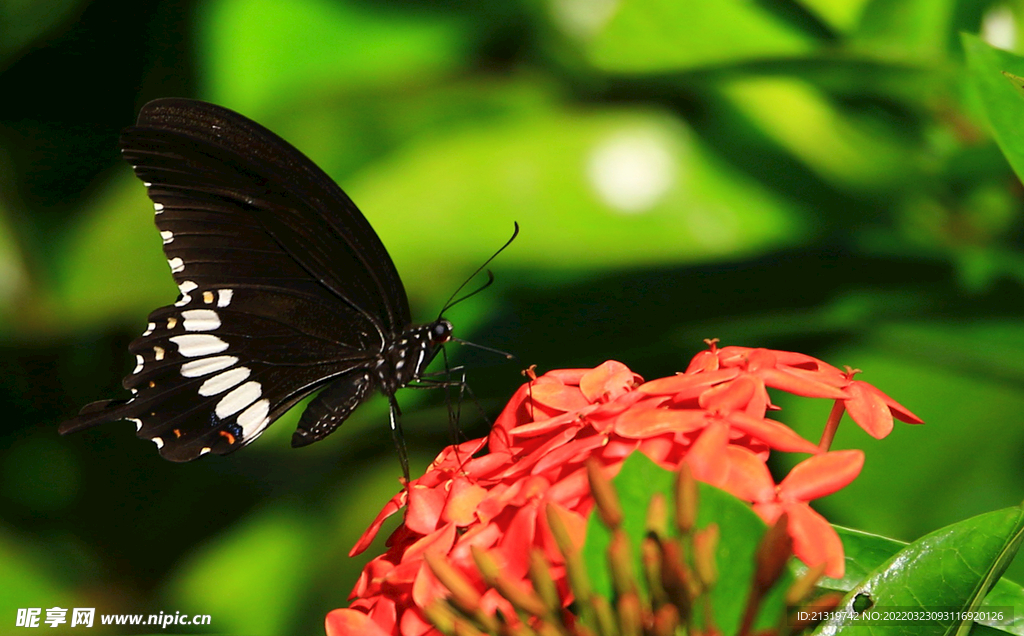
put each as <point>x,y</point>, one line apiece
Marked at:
<point>428,381</point>
<point>396,434</point>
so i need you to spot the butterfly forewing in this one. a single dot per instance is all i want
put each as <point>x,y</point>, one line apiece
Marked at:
<point>284,286</point>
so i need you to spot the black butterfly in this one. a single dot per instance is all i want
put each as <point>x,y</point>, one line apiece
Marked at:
<point>285,289</point>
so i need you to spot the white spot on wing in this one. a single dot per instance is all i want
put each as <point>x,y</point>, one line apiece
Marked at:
<point>149,329</point>
<point>197,345</point>
<point>224,381</point>
<point>206,366</point>
<point>200,320</point>
<point>137,422</point>
<point>158,207</point>
<point>186,288</point>
<point>138,363</point>
<point>224,297</point>
<point>166,236</point>
<point>177,265</point>
<point>206,449</point>
<point>158,353</point>
<point>158,441</point>
<point>254,419</point>
<point>238,399</point>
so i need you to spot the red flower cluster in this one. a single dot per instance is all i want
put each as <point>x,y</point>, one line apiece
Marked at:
<point>711,417</point>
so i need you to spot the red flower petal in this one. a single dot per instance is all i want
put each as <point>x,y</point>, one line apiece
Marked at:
<point>617,449</point>
<point>384,613</point>
<point>759,360</point>
<point>868,410</point>
<point>731,396</point>
<point>769,511</point>
<point>345,622</point>
<point>608,381</point>
<point>776,435</point>
<point>646,422</point>
<point>577,450</point>
<point>558,396</point>
<point>425,505</point>
<point>569,487</point>
<point>687,384</point>
<point>414,624</point>
<point>660,450</point>
<point>463,499</point>
<point>826,374</point>
<point>804,361</point>
<point>517,540</point>
<point>602,416</point>
<point>567,376</point>
<point>529,454</point>
<point>486,537</point>
<point>439,541</point>
<point>426,587</point>
<point>545,425</point>
<point>748,478</point>
<point>821,475</point>
<point>799,384</point>
<point>814,540</point>
<point>899,411</point>
<point>704,361</point>
<point>706,455</point>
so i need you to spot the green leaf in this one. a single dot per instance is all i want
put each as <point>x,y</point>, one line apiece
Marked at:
<point>906,30</point>
<point>866,552</point>
<point>655,36</point>
<point>740,532</point>
<point>257,51</point>
<point>950,569</point>
<point>843,147</point>
<point>994,75</point>
<point>842,15</point>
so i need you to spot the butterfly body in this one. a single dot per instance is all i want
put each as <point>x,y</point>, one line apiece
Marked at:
<point>284,289</point>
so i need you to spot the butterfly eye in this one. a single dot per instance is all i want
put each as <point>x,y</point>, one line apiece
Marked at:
<point>442,331</point>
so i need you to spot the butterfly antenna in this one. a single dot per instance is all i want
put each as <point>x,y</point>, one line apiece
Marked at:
<point>467,343</point>
<point>490,277</point>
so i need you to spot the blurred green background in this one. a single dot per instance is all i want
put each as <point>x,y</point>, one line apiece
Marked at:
<point>813,175</point>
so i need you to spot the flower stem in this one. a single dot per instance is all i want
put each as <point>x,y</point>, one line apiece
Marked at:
<point>832,425</point>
